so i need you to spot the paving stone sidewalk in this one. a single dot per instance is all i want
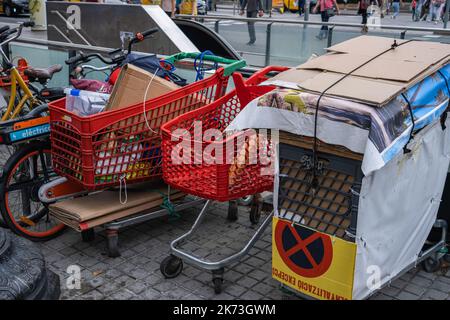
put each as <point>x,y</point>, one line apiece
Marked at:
<point>136,275</point>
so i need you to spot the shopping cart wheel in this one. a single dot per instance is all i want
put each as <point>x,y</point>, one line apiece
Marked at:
<point>447,258</point>
<point>232,210</point>
<point>171,267</point>
<point>431,265</point>
<point>256,209</point>
<point>88,235</point>
<point>217,285</point>
<point>218,279</point>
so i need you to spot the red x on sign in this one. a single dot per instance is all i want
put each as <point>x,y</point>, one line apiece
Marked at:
<point>306,252</point>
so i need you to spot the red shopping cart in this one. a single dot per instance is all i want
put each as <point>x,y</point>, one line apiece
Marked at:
<point>101,150</point>
<point>188,165</point>
<point>236,170</point>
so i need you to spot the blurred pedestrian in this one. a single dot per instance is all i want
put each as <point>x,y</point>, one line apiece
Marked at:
<point>362,9</point>
<point>396,8</point>
<point>254,9</point>
<point>188,7</point>
<point>436,12</point>
<point>327,10</point>
<point>301,7</point>
<point>169,7</point>
<point>413,9</point>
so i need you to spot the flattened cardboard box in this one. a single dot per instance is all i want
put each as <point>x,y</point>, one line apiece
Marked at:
<point>379,80</point>
<point>131,86</point>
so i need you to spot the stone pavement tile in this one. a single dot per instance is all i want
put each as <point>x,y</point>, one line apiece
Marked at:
<point>436,295</point>
<point>151,294</point>
<point>390,291</point>
<point>258,274</point>
<point>399,283</point>
<point>124,280</point>
<point>121,295</point>
<point>191,285</point>
<point>223,296</point>
<point>92,295</point>
<point>441,286</point>
<point>112,273</point>
<point>381,296</point>
<point>108,288</point>
<point>421,281</point>
<point>262,288</point>
<point>251,295</point>
<point>427,275</point>
<point>407,296</point>
<point>165,287</point>
<point>137,287</point>
<point>139,273</point>
<point>247,282</point>
<point>414,289</point>
<point>177,293</point>
<point>234,289</point>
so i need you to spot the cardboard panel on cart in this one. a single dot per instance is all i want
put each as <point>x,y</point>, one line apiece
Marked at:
<point>135,85</point>
<point>374,80</point>
<point>397,208</point>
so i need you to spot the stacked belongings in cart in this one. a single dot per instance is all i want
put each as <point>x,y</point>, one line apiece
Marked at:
<point>201,158</point>
<point>363,156</point>
<point>93,150</point>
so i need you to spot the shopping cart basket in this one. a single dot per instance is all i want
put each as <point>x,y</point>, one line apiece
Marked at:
<point>104,149</point>
<point>186,165</point>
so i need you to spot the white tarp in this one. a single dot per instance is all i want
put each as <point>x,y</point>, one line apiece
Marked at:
<point>398,206</point>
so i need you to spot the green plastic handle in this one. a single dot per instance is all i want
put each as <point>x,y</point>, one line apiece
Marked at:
<point>232,65</point>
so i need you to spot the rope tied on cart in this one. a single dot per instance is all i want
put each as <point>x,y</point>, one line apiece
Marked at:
<point>314,181</point>
<point>168,205</point>
<point>444,115</point>
<point>411,134</point>
<point>123,185</point>
<point>145,100</point>
<point>200,67</point>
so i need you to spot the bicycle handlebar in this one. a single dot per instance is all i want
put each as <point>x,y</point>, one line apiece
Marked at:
<point>140,36</point>
<point>17,30</point>
<point>87,57</point>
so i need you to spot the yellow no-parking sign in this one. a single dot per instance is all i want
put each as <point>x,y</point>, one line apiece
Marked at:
<point>311,262</point>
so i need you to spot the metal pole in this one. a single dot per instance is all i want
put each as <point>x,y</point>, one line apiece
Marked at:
<point>307,5</point>
<point>268,36</point>
<point>216,26</point>
<point>330,36</point>
<point>447,8</point>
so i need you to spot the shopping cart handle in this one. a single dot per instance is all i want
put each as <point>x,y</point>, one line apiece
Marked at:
<point>264,72</point>
<point>247,92</point>
<point>231,64</point>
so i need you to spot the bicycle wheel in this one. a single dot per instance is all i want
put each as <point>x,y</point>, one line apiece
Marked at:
<point>5,153</point>
<point>24,173</point>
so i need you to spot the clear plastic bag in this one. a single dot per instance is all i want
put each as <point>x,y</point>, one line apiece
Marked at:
<point>85,103</point>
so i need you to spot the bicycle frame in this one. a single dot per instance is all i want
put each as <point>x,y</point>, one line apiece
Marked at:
<point>13,110</point>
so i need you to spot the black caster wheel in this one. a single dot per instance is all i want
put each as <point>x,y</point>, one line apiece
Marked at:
<point>88,235</point>
<point>112,242</point>
<point>431,265</point>
<point>255,214</point>
<point>171,267</point>
<point>217,285</point>
<point>447,258</point>
<point>232,211</point>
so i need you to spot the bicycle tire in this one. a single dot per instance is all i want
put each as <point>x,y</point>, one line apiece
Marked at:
<point>17,167</point>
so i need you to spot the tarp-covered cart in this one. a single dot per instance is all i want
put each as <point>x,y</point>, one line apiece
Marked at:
<point>359,182</point>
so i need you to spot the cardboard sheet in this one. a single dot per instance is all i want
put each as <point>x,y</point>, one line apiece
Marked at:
<point>100,220</point>
<point>374,83</point>
<point>100,204</point>
<point>131,86</point>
